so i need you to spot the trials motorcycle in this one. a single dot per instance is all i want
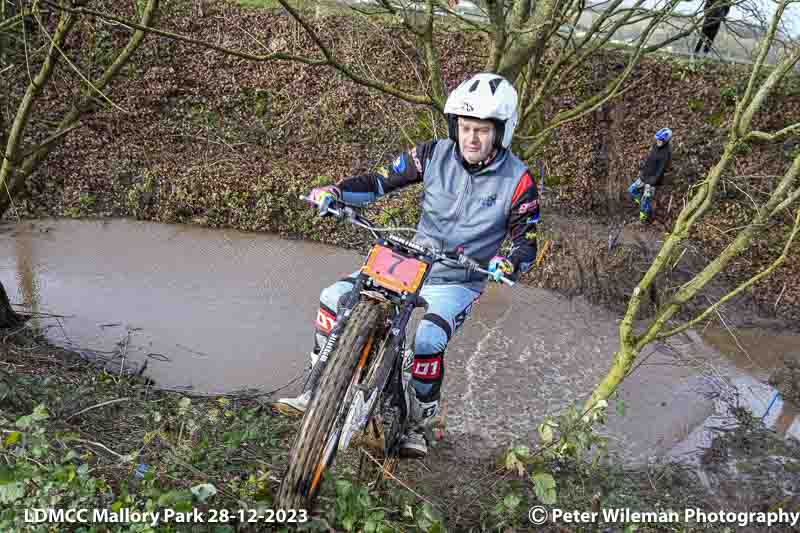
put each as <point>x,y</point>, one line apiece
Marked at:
<point>361,378</point>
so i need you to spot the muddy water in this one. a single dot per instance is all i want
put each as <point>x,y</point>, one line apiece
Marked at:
<point>221,310</point>
<point>212,311</point>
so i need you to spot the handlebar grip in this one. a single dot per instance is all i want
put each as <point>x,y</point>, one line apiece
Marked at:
<point>332,210</point>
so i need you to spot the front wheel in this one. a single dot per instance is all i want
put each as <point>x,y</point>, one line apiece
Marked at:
<point>312,451</point>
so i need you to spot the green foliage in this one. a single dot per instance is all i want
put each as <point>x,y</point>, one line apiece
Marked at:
<point>429,520</point>
<point>728,95</point>
<point>717,118</point>
<point>508,512</point>
<point>258,101</point>
<point>260,4</point>
<point>87,201</point>
<point>86,204</point>
<point>696,104</point>
<point>42,472</point>
<point>566,439</point>
<point>321,181</point>
<point>545,485</point>
<point>426,125</point>
<point>140,196</point>
<point>140,7</point>
<point>201,453</point>
<point>389,216</point>
<point>552,180</point>
<point>744,148</point>
<point>355,510</point>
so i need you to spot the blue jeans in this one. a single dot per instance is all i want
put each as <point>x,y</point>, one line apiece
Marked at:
<point>645,200</point>
<point>448,307</point>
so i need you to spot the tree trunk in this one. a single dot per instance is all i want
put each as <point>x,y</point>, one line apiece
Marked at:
<point>11,394</point>
<point>8,318</point>
<point>623,361</point>
<point>610,180</point>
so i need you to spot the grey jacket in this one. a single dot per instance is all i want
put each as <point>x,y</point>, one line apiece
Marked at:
<point>471,206</point>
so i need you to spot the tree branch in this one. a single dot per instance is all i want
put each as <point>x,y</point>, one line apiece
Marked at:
<point>790,199</point>
<point>70,120</point>
<point>48,141</point>
<point>780,135</point>
<point>767,271</point>
<point>76,69</point>
<point>393,10</point>
<point>277,56</point>
<point>739,126</point>
<point>739,244</point>
<point>523,47</point>
<point>432,61</point>
<point>461,18</point>
<point>777,74</point>
<point>498,19</point>
<point>9,22</point>
<point>611,90</point>
<point>330,60</point>
<point>7,170</point>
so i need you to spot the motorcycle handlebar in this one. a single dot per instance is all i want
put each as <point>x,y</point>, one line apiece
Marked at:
<point>358,220</point>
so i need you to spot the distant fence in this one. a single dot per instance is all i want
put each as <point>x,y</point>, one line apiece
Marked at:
<point>736,41</point>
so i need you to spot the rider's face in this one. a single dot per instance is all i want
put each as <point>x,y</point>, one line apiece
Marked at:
<point>475,138</point>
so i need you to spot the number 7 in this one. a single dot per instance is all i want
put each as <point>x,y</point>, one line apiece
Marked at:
<point>399,258</point>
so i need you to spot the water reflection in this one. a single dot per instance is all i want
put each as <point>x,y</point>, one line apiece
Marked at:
<point>26,277</point>
<point>759,353</point>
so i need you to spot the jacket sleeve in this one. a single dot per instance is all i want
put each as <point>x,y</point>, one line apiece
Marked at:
<point>406,169</point>
<point>664,164</point>
<point>522,224</point>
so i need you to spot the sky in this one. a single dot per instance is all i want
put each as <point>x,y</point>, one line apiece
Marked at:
<point>791,16</point>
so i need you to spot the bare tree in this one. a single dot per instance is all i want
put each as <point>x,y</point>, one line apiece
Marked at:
<point>779,200</point>
<point>540,46</point>
<point>22,156</point>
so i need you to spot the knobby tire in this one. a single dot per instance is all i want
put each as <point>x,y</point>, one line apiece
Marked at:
<point>320,418</point>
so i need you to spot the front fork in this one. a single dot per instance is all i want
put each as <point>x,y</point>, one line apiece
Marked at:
<point>397,368</point>
<point>345,309</point>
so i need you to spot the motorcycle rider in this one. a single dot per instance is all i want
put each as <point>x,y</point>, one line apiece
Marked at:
<point>476,191</point>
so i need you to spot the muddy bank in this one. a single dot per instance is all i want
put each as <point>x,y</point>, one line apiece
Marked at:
<point>603,259</point>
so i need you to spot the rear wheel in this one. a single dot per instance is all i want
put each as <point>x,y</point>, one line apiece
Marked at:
<point>311,451</point>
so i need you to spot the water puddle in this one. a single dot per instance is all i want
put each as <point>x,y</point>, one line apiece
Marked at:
<point>216,311</point>
<point>751,355</point>
<point>211,311</point>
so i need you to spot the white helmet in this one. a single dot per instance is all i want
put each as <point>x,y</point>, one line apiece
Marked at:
<point>485,96</point>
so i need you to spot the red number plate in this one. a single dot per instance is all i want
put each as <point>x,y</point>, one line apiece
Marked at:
<point>394,271</point>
